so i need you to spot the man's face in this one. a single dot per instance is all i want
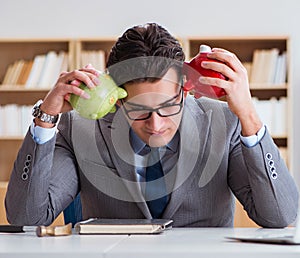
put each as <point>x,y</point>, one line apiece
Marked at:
<point>165,94</point>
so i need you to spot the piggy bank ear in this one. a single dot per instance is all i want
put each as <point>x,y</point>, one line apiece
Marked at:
<point>121,93</point>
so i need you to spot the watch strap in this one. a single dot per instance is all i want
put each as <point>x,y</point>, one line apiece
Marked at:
<point>42,116</point>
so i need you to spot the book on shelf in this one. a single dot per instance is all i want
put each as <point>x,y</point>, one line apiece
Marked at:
<point>25,72</point>
<point>248,66</point>
<point>268,67</point>
<point>7,75</point>
<point>122,226</point>
<point>94,57</point>
<point>35,71</point>
<point>41,72</point>
<point>17,71</point>
<point>273,113</point>
<point>13,72</point>
<point>281,69</point>
<point>18,126</point>
<point>48,70</point>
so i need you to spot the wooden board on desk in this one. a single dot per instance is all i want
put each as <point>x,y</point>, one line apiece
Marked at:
<point>3,186</point>
<point>241,218</point>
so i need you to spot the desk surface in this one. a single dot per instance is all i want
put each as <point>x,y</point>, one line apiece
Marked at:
<point>177,242</point>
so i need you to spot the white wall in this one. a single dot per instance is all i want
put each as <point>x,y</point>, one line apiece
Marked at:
<point>98,18</point>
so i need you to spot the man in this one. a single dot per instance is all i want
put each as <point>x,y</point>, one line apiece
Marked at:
<point>207,150</point>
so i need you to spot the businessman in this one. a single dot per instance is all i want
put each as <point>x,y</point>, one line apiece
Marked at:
<point>162,154</point>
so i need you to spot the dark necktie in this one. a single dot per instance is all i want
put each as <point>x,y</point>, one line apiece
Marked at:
<point>155,192</point>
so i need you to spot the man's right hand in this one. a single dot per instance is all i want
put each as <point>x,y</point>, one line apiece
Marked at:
<point>57,100</point>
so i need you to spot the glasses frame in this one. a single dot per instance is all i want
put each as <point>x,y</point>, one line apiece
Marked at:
<point>156,110</point>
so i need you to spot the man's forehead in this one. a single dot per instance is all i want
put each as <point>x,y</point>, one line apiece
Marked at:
<point>153,98</point>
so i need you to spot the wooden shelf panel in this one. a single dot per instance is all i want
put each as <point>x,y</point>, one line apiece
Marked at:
<point>265,94</point>
<point>21,96</point>
<point>96,44</point>
<point>242,47</point>
<point>280,141</point>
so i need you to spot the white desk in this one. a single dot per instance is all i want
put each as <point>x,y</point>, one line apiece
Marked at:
<point>177,242</point>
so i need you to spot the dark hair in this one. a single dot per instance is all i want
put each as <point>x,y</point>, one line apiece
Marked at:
<point>144,53</point>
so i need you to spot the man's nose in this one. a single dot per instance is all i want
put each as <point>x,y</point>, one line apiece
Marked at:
<point>156,121</point>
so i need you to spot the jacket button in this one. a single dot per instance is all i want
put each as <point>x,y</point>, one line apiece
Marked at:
<point>269,156</point>
<point>271,163</point>
<point>274,175</point>
<point>24,176</point>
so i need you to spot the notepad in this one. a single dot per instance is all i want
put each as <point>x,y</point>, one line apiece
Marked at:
<point>123,226</point>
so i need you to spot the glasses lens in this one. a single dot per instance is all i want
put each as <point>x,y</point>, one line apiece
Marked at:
<point>170,110</point>
<point>138,114</point>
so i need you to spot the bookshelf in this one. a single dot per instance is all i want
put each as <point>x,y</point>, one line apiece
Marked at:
<point>12,50</point>
<point>26,49</point>
<point>93,46</point>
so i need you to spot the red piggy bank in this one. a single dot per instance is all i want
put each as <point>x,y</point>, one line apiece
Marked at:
<point>193,70</point>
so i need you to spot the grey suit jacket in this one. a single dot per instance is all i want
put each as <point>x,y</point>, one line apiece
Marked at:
<point>95,158</point>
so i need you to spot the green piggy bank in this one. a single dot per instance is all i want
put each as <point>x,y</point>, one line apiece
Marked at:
<point>102,98</point>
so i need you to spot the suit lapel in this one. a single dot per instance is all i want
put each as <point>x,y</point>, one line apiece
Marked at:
<point>194,131</point>
<point>115,131</point>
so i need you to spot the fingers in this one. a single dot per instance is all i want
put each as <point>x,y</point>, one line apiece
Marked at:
<point>215,82</point>
<point>231,67</point>
<point>90,69</point>
<point>88,76</point>
<point>219,67</point>
<point>71,89</point>
<point>226,57</point>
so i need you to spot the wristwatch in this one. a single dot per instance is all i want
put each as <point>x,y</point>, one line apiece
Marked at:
<point>41,115</point>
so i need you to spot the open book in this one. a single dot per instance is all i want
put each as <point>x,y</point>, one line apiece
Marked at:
<point>122,226</point>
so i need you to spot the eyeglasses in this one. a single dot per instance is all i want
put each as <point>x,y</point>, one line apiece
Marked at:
<point>144,113</point>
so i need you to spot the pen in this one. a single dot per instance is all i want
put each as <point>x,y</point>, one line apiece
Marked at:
<point>16,229</point>
<point>40,230</point>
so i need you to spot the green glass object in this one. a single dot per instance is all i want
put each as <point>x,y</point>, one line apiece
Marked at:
<point>102,98</point>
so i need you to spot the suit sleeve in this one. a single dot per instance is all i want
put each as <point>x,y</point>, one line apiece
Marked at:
<point>262,183</point>
<point>44,180</point>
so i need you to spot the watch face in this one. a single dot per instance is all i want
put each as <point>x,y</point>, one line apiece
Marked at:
<point>36,108</point>
<point>35,111</point>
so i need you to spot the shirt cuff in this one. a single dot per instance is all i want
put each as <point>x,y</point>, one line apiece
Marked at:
<point>252,140</point>
<point>41,135</point>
